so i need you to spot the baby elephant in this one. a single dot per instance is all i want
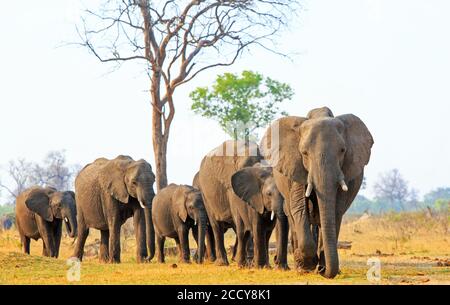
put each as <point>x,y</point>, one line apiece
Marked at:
<point>175,210</point>
<point>40,213</point>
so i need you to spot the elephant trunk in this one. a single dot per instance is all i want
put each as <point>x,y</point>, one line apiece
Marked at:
<point>70,220</point>
<point>145,197</point>
<point>202,222</point>
<point>149,232</point>
<point>326,192</point>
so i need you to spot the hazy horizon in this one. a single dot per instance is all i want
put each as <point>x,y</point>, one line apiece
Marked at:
<point>388,62</point>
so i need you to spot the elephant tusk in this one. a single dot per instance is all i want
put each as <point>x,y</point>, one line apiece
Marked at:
<point>343,185</point>
<point>66,219</point>
<point>195,222</point>
<point>272,215</point>
<point>142,205</point>
<point>309,189</point>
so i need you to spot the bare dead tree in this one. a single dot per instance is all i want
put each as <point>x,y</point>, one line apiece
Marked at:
<point>177,40</point>
<point>392,188</point>
<point>21,173</point>
<point>53,171</point>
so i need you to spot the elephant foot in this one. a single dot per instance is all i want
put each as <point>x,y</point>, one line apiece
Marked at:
<point>321,270</point>
<point>212,259</point>
<point>114,261</point>
<point>142,259</point>
<point>283,266</point>
<point>221,262</point>
<point>200,261</point>
<point>185,261</point>
<point>268,267</point>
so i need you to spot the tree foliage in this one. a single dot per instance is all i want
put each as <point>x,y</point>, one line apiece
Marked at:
<point>241,103</point>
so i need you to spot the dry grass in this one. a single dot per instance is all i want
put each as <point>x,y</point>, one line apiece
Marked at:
<point>410,247</point>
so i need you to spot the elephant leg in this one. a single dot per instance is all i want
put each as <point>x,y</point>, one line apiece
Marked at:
<point>114,241</point>
<point>25,244</point>
<point>104,246</point>
<point>259,243</point>
<point>210,245</point>
<point>45,251</point>
<point>268,234</point>
<point>249,249</point>
<point>139,230</point>
<point>160,247</point>
<point>241,243</point>
<point>220,245</point>
<point>320,253</point>
<point>235,248</point>
<point>83,232</point>
<point>195,236</point>
<point>183,234</point>
<point>305,253</point>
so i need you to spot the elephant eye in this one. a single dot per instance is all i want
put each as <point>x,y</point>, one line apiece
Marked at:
<point>269,193</point>
<point>305,153</point>
<point>343,150</point>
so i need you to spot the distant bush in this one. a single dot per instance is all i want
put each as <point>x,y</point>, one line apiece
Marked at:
<point>6,209</point>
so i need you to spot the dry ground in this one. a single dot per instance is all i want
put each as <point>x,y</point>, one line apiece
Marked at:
<point>413,249</point>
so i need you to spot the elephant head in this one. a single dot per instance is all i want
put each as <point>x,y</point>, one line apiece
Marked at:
<point>188,205</point>
<point>325,154</point>
<point>256,186</point>
<point>50,204</point>
<point>125,178</point>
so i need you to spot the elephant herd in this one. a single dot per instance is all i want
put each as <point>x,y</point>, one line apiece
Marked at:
<point>298,181</point>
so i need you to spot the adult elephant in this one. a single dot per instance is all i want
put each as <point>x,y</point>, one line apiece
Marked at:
<point>40,213</point>
<point>210,250</point>
<point>232,200</point>
<point>108,192</point>
<point>318,165</point>
<point>175,210</point>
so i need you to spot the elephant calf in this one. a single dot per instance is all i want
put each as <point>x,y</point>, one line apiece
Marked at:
<point>175,210</point>
<point>39,214</point>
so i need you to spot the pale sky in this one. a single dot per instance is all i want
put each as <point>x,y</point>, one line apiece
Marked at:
<point>386,61</point>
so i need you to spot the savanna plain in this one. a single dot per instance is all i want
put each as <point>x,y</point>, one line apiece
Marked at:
<point>412,247</point>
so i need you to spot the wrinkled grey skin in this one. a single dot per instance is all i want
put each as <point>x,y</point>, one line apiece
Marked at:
<point>40,213</point>
<point>210,250</point>
<point>175,210</point>
<point>256,186</point>
<point>325,152</point>
<point>232,205</point>
<point>108,192</point>
<point>210,243</point>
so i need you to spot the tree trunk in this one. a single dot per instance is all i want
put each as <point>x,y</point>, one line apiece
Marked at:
<point>160,137</point>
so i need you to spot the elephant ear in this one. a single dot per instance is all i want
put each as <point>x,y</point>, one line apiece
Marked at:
<point>246,184</point>
<point>71,194</point>
<point>359,144</point>
<point>179,203</point>
<point>279,146</point>
<point>38,202</point>
<point>112,179</point>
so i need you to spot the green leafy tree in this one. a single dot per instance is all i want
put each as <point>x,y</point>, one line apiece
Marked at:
<point>241,103</point>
